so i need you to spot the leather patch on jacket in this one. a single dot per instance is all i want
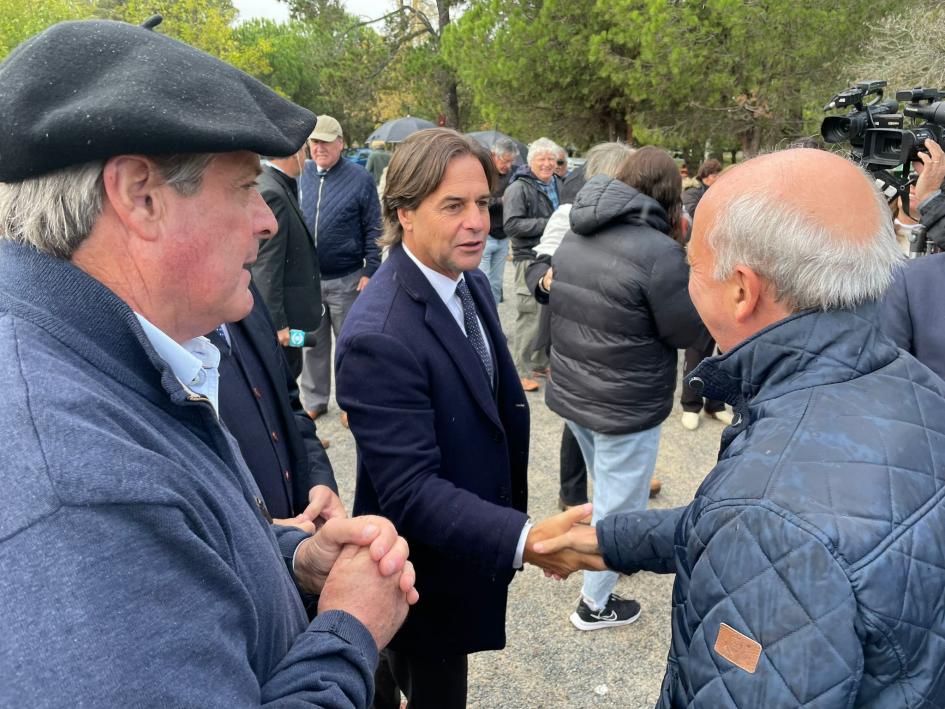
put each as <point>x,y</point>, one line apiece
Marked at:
<point>738,649</point>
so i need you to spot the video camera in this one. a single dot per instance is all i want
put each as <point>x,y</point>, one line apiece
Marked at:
<point>883,144</point>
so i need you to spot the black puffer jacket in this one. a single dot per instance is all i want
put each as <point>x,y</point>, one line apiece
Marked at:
<point>526,209</point>
<point>620,309</point>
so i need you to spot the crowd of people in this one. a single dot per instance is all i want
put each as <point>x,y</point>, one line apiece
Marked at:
<point>181,251</point>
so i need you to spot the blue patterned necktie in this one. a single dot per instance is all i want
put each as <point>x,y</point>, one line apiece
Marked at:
<point>471,322</point>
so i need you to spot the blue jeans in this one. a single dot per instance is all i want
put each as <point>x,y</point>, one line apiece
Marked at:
<point>493,264</point>
<point>621,466</point>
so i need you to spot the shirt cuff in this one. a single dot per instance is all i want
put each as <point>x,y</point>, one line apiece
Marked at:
<point>520,549</point>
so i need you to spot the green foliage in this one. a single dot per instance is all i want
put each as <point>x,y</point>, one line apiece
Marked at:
<point>205,24</point>
<point>529,70</point>
<point>20,20</point>
<point>328,64</point>
<point>734,72</point>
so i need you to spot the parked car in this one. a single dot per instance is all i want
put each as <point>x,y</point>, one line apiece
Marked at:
<point>358,155</point>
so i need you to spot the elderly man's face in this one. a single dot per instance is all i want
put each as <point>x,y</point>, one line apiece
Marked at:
<point>707,293</point>
<point>503,163</point>
<point>543,166</point>
<point>447,231</point>
<point>326,154</point>
<point>212,238</point>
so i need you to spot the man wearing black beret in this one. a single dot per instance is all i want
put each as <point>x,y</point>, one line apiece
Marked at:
<point>139,563</point>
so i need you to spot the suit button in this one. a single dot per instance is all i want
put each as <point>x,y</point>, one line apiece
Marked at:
<point>257,393</point>
<point>285,474</point>
<point>275,437</point>
<point>496,436</point>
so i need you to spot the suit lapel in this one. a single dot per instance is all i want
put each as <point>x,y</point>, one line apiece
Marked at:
<point>448,332</point>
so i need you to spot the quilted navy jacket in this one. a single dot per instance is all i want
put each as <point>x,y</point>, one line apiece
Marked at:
<point>342,211</point>
<point>819,535</point>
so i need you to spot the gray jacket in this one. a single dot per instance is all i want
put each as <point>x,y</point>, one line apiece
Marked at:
<point>526,209</point>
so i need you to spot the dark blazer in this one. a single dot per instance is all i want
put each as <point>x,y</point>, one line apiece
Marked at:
<point>912,311</point>
<point>286,270</point>
<point>308,462</point>
<point>439,454</point>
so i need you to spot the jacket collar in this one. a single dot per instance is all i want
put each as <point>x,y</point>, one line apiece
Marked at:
<point>289,183</point>
<point>808,349</point>
<point>444,327</point>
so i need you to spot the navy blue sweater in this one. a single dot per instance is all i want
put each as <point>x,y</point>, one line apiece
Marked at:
<point>348,222</point>
<point>137,568</point>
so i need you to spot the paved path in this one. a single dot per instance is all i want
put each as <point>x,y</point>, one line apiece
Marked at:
<point>547,662</point>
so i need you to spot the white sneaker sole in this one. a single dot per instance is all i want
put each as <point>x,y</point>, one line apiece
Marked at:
<point>580,624</point>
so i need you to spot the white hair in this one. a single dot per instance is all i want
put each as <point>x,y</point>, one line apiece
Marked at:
<point>542,146</point>
<point>606,159</point>
<point>808,265</point>
<point>55,212</point>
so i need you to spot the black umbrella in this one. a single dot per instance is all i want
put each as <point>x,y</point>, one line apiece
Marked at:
<point>488,138</point>
<point>398,129</point>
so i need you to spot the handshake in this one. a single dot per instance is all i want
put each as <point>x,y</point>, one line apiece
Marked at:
<point>360,566</point>
<point>561,545</point>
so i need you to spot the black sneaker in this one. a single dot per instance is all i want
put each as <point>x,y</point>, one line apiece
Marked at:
<point>618,611</point>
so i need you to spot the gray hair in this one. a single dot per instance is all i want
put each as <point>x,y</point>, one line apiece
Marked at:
<point>808,265</point>
<point>504,147</point>
<point>606,159</point>
<point>542,146</point>
<point>55,212</point>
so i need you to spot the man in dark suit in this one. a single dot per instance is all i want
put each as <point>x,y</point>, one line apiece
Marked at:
<point>286,269</point>
<point>260,406</point>
<point>440,418</point>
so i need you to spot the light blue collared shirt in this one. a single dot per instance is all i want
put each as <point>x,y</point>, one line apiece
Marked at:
<point>445,287</point>
<point>195,363</point>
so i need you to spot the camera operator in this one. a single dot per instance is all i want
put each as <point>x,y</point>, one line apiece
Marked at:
<point>912,313</point>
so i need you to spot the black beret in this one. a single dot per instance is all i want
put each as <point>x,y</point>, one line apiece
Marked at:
<point>88,90</point>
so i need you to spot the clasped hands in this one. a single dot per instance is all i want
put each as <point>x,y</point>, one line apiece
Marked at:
<point>359,565</point>
<point>559,545</point>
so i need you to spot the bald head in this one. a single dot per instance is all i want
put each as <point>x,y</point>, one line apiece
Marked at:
<point>773,236</point>
<point>827,189</point>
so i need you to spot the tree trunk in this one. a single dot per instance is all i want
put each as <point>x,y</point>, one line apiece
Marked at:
<point>448,79</point>
<point>451,102</point>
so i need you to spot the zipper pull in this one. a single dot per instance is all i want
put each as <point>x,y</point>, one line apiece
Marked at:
<point>263,510</point>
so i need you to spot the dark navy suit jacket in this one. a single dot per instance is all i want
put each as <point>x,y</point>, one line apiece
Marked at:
<point>308,463</point>
<point>912,311</point>
<point>439,453</point>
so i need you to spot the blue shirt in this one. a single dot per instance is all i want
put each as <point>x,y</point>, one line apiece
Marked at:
<point>195,363</point>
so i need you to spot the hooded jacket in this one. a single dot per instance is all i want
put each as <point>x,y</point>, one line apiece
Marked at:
<point>620,309</point>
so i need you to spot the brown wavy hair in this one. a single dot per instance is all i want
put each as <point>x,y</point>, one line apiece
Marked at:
<point>653,172</point>
<point>417,169</point>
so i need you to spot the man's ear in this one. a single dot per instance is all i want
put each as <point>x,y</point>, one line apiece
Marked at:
<point>748,289</point>
<point>133,191</point>
<point>405,217</point>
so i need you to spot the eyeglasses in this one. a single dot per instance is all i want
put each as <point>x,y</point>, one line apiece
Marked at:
<point>560,162</point>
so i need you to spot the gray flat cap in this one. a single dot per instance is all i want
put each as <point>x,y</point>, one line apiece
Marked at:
<point>88,90</point>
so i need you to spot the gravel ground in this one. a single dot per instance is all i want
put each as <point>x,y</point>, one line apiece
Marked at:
<point>547,663</point>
